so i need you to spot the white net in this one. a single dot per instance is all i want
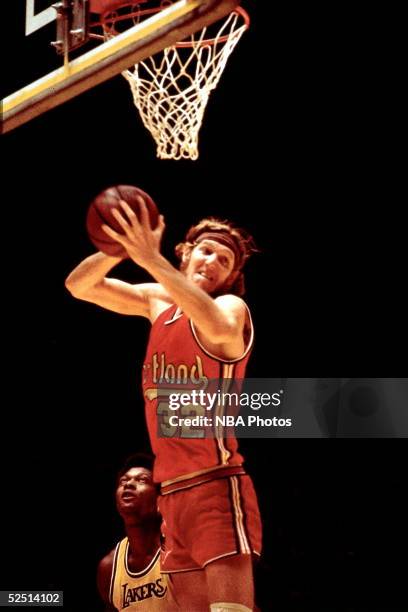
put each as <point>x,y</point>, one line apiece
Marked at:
<point>171,89</point>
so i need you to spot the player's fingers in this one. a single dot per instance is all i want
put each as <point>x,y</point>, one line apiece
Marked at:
<point>144,213</point>
<point>129,229</point>
<point>160,226</point>
<point>108,230</point>
<point>131,215</point>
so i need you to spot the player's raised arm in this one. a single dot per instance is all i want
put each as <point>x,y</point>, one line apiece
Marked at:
<point>88,282</point>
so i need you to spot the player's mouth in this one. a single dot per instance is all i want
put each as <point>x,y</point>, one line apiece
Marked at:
<point>128,496</point>
<point>204,275</point>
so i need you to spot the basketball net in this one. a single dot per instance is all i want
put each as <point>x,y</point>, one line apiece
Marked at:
<point>171,88</point>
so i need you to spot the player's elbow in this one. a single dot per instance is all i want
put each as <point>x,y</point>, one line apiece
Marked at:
<point>72,287</point>
<point>76,288</point>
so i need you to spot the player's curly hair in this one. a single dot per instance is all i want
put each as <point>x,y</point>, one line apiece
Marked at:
<point>144,460</point>
<point>243,243</point>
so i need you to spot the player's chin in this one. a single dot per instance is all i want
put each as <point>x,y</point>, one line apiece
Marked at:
<point>204,283</point>
<point>127,503</point>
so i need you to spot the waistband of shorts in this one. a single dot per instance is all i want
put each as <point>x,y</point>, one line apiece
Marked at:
<point>197,479</point>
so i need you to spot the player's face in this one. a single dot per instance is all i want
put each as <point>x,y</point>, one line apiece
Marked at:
<point>210,265</point>
<point>136,493</point>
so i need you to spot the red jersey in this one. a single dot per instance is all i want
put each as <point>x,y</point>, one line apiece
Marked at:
<point>175,356</point>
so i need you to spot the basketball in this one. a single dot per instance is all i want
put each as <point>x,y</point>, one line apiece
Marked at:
<point>100,213</point>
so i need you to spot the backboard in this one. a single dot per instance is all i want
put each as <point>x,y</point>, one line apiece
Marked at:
<point>40,78</point>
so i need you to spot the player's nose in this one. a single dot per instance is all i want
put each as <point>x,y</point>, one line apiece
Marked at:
<point>130,485</point>
<point>211,260</point>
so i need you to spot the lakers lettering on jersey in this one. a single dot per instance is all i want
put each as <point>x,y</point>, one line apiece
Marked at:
<point>145,591</point>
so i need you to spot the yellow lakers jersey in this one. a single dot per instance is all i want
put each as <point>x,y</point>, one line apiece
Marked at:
<point>145,591</point>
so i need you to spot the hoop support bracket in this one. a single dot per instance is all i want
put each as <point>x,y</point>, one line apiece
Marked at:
<point>72,25</point>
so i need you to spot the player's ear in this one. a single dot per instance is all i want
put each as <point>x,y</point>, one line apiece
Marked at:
<point>185,258</point>
<point>233,277</point>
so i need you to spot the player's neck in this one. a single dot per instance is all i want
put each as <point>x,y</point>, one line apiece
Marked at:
<point>144,540</point>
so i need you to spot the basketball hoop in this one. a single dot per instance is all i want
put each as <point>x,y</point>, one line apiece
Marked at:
<point>171,88</point>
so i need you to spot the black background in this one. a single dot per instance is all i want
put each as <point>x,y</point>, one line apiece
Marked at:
<point>299,145</point>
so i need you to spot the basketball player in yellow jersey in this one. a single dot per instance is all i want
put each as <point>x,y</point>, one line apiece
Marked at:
<point>129,576</point>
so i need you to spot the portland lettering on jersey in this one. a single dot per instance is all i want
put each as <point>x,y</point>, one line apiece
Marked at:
<point>163,372</point>
<point>140,593</point>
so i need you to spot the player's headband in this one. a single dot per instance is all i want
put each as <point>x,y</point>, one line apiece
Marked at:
<point>222,238</point>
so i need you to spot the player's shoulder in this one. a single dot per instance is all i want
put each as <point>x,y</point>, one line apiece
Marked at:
<point>106,563</point>
<point>158,299</point>
<point>104,575</point>
<point>232,302</point>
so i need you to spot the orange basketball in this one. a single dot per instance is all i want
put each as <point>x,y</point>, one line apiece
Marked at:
<point>100,213</point>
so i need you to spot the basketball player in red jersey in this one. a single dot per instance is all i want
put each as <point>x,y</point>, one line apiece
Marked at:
<point>201,329</point>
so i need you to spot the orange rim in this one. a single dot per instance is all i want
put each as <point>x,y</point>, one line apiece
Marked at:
<point>108,23</point>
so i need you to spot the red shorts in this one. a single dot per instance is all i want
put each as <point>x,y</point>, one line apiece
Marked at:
<point>209,521</point>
